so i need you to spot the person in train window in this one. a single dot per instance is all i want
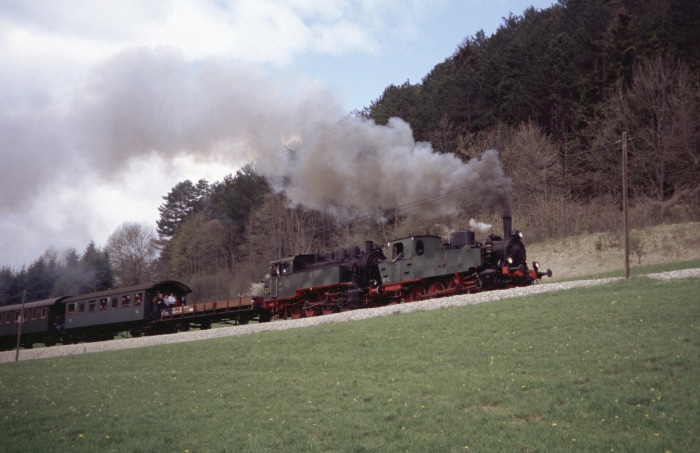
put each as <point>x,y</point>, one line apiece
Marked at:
<point>158,304</point>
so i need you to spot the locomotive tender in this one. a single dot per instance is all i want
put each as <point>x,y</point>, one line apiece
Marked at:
<point>408,270</point>
<point>412,269</point>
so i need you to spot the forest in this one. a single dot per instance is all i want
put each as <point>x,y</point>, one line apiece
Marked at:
<point>552,90</point>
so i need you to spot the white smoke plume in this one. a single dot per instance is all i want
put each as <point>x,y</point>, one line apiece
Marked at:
<point>481,227</point>
<point>146,103</point>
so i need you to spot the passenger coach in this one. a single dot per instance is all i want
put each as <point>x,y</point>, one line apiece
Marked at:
<point>89,317</point>
<point>38,323</point>
<point>102,315</point>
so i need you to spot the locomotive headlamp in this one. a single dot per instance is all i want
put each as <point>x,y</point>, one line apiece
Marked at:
<point>510,260</point>
<point>520,234</point>
<point>536,265</point>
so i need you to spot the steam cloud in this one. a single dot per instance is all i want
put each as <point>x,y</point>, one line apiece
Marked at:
<point>153,102</point>
<point>353,166</point>
<point>479,226</point>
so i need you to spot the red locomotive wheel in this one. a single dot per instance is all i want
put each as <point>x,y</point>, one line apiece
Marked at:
<point>416,292</point>
<point>293,312</point>
<point>436,287</point>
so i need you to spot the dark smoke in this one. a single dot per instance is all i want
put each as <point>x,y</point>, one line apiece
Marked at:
<point>354,167</point>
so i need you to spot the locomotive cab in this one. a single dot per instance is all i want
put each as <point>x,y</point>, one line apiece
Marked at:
<point>425,257</point>
<point>415,246</point>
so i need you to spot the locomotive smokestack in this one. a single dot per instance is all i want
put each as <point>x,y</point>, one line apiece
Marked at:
<point>507,225</point>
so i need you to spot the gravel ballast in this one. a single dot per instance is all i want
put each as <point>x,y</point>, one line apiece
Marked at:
<point>356,315</point>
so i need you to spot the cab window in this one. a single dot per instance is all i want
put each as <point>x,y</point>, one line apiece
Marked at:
<point>397,251</point>
<point>420,247</point>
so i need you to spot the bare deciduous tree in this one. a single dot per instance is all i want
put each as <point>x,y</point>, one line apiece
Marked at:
<point>659,112</point>
<point>132,252</point>
<point>198,247</point>
<point>276,230</point>
<point>529,158</point>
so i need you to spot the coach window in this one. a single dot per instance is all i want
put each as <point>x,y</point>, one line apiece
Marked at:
<point>71,309</point>
<point>81,307</point>
<point>91,306</point>
<point>26,315</point>
<point>103,304</point>
<point>126,300</point>
<point>137,299</point>
<point>43,312</point>
<point>17,316</point>
<point>33,313</point>
<point>115,302</point>
<point>8,317</point>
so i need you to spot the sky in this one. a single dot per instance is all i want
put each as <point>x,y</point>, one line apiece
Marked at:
<point>106,105</point>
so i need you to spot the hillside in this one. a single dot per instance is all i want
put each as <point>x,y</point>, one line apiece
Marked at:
<point>592,254</point>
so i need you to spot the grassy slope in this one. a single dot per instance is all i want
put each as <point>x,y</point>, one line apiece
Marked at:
<point>610,368</point>
<point>603,253</point>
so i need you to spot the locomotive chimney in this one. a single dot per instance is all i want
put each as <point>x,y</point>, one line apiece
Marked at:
<point>507,224</point>
<point>369,245</point>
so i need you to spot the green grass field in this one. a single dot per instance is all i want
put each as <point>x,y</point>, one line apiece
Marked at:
<point>612,368</point>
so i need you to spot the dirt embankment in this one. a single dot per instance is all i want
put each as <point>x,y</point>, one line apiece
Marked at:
<point>595,253</point>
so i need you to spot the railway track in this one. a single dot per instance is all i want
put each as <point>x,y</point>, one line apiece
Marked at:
<point>356,315</point>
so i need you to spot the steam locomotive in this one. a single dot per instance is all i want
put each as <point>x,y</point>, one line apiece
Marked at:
<point>411,269</point>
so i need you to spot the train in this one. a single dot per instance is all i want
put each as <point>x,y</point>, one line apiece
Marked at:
<point>408,269</point>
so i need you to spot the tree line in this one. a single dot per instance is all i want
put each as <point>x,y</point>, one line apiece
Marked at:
<point>582,71</point>
<point>54,275</point>
<point>551,89</point>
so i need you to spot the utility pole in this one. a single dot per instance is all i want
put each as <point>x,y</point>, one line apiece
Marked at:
<point>624,205</point>
<point>21,321</point>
